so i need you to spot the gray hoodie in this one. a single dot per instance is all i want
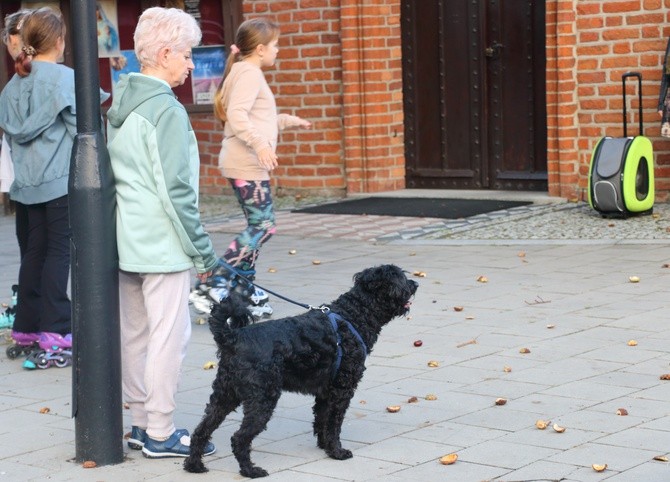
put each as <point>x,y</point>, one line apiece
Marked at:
<point>38,115</point>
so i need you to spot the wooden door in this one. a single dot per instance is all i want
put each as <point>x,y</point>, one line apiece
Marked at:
<point>474,94</point>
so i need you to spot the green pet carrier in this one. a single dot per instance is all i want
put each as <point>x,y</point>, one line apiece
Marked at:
<point>621,175</point>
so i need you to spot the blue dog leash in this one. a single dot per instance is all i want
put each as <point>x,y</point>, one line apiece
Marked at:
<point>334,318</point>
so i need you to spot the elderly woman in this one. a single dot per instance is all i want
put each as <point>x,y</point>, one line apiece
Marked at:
<point>154,157</point>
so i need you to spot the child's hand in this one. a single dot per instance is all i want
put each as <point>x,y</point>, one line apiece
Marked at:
<point>267,158</point>
<point>303,124</point>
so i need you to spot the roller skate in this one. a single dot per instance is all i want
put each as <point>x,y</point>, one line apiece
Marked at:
<point>9,313</point>
<point>200,299</point>
<point>54,349</point>
<point>214,289</point>
<point>6,317</point>
<point>259,307</point>
<point>24,344</point>
<point>225,277</point>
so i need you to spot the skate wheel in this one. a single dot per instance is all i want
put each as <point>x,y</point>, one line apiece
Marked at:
<point>13,352</point>
<point>43,363</point>
<point>62,362</point>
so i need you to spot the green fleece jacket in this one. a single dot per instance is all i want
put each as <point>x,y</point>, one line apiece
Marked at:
<point>154,156</point>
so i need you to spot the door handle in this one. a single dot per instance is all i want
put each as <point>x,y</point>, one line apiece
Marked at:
<point>493,49</point>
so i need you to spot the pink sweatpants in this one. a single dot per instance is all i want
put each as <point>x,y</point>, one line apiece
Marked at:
<point>155,330</point>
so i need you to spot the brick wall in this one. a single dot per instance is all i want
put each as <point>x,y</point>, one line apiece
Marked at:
<point>590,44</point>
<point>372,95</point>
<point>339,66</point>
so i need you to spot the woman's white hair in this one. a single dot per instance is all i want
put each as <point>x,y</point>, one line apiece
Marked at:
<point>160,27</point>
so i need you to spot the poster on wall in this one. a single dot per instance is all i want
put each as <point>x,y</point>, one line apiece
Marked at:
<point>108,28</point>
<point>192,7</point>
<point>107,23</point>
<point>209,63</point>
<point>125,63</point>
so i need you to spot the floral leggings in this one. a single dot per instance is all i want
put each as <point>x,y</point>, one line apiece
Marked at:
<point>256,202</point>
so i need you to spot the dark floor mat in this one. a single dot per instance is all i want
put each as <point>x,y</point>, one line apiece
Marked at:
<point>414,207</point>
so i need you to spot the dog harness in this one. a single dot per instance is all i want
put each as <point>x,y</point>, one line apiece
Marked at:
<point>334,318</point>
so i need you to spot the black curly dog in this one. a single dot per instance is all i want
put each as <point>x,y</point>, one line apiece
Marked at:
<point>320,353</point>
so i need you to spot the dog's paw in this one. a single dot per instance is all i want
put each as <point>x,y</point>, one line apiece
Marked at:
<point>195,466</point>
<point>253,472</point>
<point>340,454</point>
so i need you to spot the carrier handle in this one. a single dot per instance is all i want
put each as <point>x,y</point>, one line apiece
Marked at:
<point>639,93</point>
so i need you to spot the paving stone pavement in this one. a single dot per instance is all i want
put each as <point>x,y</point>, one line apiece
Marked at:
<point>568,301</point>
<point>546,220</point>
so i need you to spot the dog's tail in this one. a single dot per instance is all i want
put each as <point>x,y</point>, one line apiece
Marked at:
<point>227,316</point>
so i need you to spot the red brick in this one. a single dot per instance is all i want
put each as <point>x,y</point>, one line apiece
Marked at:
<point>613,6</point>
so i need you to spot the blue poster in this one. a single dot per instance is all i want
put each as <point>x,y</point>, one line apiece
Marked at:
<point>123,64</point>
<point>209,63</point>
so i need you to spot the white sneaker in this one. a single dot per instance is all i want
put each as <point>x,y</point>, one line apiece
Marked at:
<point>261,311</point>
<point>217,293</point>
<point>259,296</point>
<point>201,303</point>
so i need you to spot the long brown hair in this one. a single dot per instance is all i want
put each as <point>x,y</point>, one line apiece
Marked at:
<point>40,32</point>
<point>250,34</point>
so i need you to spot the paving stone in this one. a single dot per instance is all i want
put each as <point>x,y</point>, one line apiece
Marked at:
<point>618,459</point>
<point>543,471</point>
<point>651,471</point>
<point>357,468</point>
<point>662,423</point>
<point>640,438</point>
<point>605,422</point>
<point>548,406</point>
<point>454,435</point>
<point>403,450</point>
<point>549,438</point>
<point>506,455</point>
<point>635,404</point>
<point>461,471</point>
<point>491,417</point>
<point>592,389</point>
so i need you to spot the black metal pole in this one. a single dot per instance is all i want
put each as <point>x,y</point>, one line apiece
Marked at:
<point>96,381</point>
